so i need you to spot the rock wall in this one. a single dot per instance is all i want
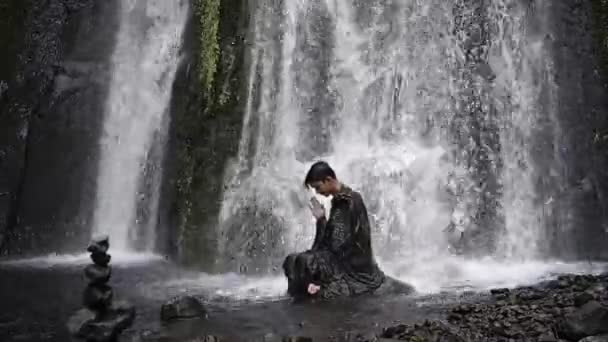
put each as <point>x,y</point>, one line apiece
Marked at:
<point>50,120</point>
<point>206,124</point>
<point>580,33</point>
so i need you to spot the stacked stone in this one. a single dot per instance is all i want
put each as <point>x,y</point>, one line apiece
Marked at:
<point>102,320</point>
<point>98,294</point>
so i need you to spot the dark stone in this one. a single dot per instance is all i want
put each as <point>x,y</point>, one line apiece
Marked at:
<point>98,274</point>
<point>297,339</point>
<point>101,259</point>
<point>547,337</point>
<point>428,331</point>
<point>583,298</point>
<point>79,319</point>
<point>107,327</point>
<point>182,308</point>
<point>99,245</point>
<point>599,338</point>
<point>589,320</point>
<point>531,294</point>
<point>500,291</point>
<point>98,297</point>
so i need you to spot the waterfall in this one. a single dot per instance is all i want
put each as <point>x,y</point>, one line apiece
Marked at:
<point>428,108</point>
<point>144,63</point>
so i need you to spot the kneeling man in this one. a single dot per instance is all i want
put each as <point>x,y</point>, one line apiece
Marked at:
<point>340,262</point>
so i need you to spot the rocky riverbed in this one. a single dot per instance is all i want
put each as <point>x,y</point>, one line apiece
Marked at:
<point>569,308</point>
<point>41,298</point>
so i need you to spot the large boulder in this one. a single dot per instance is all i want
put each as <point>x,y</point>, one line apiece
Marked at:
<point>589,320</point>
<point>182,308</point>
<point>91,327</point>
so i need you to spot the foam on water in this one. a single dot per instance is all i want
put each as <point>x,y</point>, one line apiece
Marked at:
<point>71,260</point>
<point>460,274</point>
<point>453,275</point>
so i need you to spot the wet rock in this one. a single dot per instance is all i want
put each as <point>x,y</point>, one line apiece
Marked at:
<point>104,320</point>
<point>589,320</point>
<point>99,245</point>
<point>96,274</point>
<point>79,319</point>
<point>97,297</point>
<point>428,331</point>
<point>583,298</point>
<point>100,259</point>
<point>182,308</point>
<point>87,325</point>
<point>297,339</point>
<point>106,330</point>
<point>500,294</point>
<point>547,337</point>
<point>599,338</point>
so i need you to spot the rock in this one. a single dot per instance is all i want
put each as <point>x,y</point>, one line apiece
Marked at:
<point>531,294</point>
<point>96,274</point>
<point>79,319</point>
<point>547,337</point>
<point>99,245</point>
<point>428,331</point>
<point>101,259</point>
<point>599,338</point>
<point>582,299</point>
<point>589,320</point>
<point>97,297</point>
<point>358,337</point>
<point>297,339</point>
<point>500,291</point>
<point>87,325</point>
<point>182,308</point>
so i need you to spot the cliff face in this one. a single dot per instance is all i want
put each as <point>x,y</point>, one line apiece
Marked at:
<point>206,124</point>
<point>579,36</point>
<point>50,117</point>
<point>53,84</point>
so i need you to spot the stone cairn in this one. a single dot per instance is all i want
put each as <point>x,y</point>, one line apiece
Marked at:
<point>102,320</point>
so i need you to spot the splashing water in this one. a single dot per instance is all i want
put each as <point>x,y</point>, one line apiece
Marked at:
<point>428,108</point>
<point>144,66</point>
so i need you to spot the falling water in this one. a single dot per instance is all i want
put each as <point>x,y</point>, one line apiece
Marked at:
<point>428,108</point>
<point>144,65</point>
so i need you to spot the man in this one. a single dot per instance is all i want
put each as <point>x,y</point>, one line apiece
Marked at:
<point>340,262</point>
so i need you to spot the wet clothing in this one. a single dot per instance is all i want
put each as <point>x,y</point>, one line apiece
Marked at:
<point>341,259</point>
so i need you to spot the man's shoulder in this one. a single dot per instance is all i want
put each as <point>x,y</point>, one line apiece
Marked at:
<point>348,194</point>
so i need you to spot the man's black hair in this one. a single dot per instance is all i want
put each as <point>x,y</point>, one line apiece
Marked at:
<point>318,172</point>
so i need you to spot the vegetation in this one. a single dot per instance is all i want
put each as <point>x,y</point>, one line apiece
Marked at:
<point>208,17</point>
<point>208,120</point>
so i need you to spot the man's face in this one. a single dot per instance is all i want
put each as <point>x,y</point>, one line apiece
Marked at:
<point>322,187</point>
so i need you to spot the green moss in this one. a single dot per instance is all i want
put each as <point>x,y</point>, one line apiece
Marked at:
<point>207,121</point>
<point>208,17</point>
